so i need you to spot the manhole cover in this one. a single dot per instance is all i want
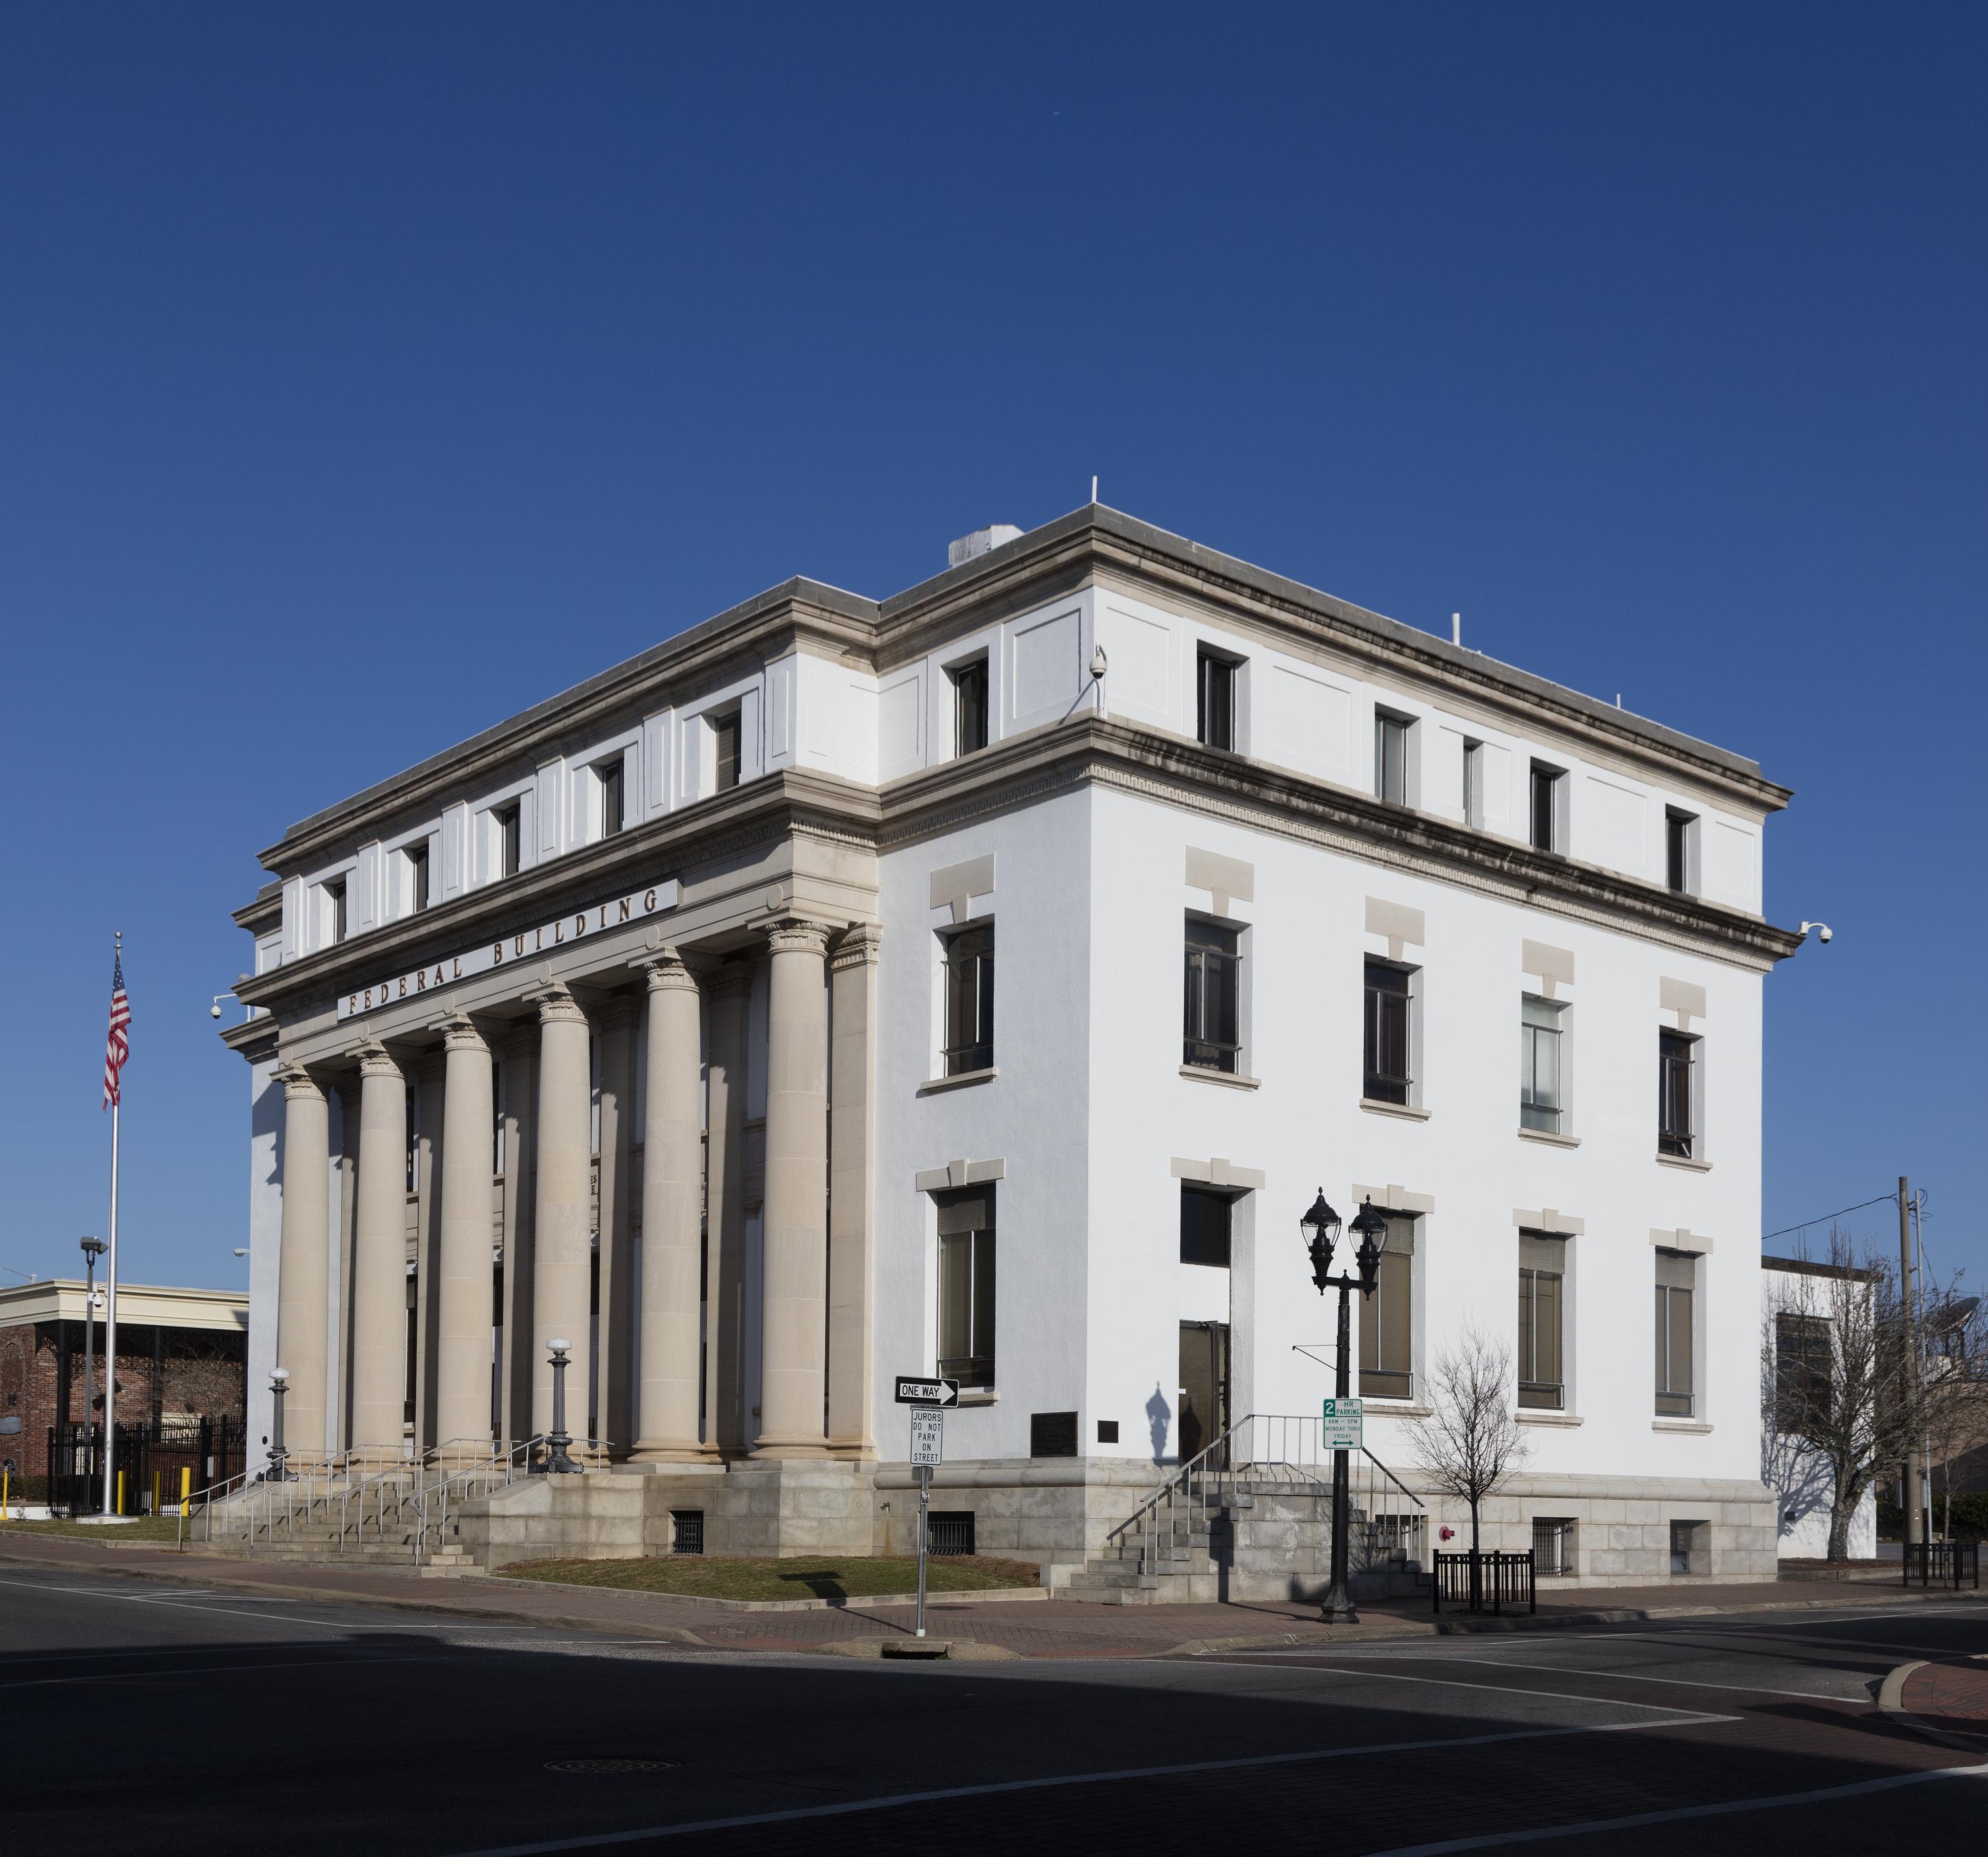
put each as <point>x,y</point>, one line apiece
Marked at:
<point>611,1764</point>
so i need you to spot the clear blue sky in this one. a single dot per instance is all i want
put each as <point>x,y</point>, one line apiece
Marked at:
<point>368,373</point>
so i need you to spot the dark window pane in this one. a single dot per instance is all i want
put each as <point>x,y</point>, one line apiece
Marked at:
<point>1204,1227</point>
<point>507,841</point>
<point>1215,716</point>
<point>969,684</point>
<point>970,1002</point>
<point>418,877</point>
<point>1391,759</point>
<point>1211,1021</point>
<point>1673,1093</point>
<point>1386,1371</point>
<point>966,1296</point>
<point>1544,780</point>
<point>724,730</point>
<point>612,818</point>
<point>1386,1077</point>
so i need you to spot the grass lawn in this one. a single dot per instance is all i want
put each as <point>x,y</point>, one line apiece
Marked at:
<point>143,1528</point>
<point>856,1578</point>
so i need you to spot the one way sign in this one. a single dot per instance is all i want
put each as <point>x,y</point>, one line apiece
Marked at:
<point>927,1392</point>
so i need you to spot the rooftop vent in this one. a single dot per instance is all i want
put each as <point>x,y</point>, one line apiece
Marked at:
<point>981,541</point>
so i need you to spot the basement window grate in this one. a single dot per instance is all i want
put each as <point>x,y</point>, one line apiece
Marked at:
<point>951,1532</point>
<point>686,1531</point>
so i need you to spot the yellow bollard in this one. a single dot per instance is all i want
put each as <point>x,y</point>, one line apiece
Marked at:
<point>3,1495</point>
<point>186,1489</point>
<point>118,1508</point>
<point>155,1492</point>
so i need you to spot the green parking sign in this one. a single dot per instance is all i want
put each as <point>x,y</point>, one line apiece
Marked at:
<point>1339,1428</point>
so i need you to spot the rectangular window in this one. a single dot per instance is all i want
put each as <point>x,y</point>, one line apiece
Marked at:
<point>1387,1369</point>
<point>1386,1077</point>
<point>334,900</point>
<point>1215,714</point>
<point>1541,1103</point>
<point>1803,1356</point>
<point>966,1285</point>
<point>969,708</point>
<point>1473,784</point>
<point>1205,1226</point>
<point>1676,1060</point>
<point>1542,1274</point>
<point>1391,757</point>
<point>509,839</point>
<point>1553,1544</point>
<point>969,1001</point>
<point>1547,834</point>
<point>1676,1275</point>
<point>726,734</point>
<point>1213,1029</point>
<point>417,878</point>
<point>612,817</point>
<point>1680,831</point>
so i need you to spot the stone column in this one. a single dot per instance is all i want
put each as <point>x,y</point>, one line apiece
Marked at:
<point>562,1264</point>
<point>794,1275</point>
<point>380,1261</point>
<point>615,1024</point>
<point>520,1085</point>
<point>728,991</point>
<point>463,1266</point>
<point>303,1311</point>
<point>852,1091</point>
<point>672,1167</point>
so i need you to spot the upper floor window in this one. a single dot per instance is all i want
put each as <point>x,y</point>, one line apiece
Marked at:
<point>1804,1356</point>
<point>969,1001</point>
<point>1548,811</point>
<point>613,815</point>
<point>1680,850</point>
<point>1677,1063</point>
<point>1542,1272</point>
<point>1473,784</point>
<point>1386,1073</point>
<point>966,1285</point>
<point>334,910</point>
<point>417,856</point>
<point>1212,1030</point>
<point>1205,1226</point>
<point>1677,1275</point>
<point>1391,757</point>
<point>508,840</point>
<point>1540,1030</point>
<point>969,708</point>
<point>726,737</point>
<point>1215,709</point>
<point>1387,1324</point>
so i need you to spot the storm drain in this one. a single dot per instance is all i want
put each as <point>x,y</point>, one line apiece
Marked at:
<point>608,1762</point>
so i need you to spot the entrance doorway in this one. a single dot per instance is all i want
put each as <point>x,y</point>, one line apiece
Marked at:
<point>1204,1386</point>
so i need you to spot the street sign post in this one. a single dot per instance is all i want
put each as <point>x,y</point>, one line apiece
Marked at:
<point>928,1451</point>
<point>913,1392</point>
<point>1340,1427</point>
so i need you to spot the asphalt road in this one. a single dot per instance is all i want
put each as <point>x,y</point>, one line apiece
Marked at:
<point>169,1718</point>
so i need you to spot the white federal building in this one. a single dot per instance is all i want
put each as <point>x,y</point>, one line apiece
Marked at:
<point>982,981</point>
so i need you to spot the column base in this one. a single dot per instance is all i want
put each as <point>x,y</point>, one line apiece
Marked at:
<point>767,1449</point>
<point>661,1451</point>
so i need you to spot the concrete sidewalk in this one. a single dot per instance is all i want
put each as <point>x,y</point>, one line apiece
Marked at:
<point>1054,1628</point>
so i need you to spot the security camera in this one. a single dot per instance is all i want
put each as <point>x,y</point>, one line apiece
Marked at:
<point>214,1011</point>
<point>1097,663</point>
<point>1822,931</point>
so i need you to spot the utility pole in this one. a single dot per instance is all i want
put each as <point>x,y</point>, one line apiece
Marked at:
<point>1909,1489</point>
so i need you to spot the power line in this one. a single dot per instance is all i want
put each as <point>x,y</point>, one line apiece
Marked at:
<point>1881,1200</point>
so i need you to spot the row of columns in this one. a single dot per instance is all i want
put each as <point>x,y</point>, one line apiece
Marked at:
<point>812,1288</point>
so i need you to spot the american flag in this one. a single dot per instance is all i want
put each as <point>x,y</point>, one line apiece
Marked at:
<point>117,1046</point>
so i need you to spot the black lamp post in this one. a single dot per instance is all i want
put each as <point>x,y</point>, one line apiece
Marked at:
<point>93,1248</point>
<point>1321,1228</point>
<point>556,1460</point>
<point>278,1471</point>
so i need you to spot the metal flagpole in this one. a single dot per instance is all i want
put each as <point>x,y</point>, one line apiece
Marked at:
<point>110,1302</point>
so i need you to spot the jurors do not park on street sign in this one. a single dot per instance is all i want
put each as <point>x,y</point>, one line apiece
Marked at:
<point>928,1436</point>
<point>1340,1427</point>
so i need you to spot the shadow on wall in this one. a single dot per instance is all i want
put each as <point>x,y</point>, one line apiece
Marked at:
<point>1797,1472</point>
<point>1159,1416</point>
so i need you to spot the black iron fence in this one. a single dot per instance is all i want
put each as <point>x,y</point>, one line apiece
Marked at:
<point>1943,1563</point>
<point>155,1466</point>
<point>1486,1582</point>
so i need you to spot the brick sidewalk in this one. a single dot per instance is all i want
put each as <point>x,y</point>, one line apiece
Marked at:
<point>1054,1628</point>
<point>1950,1696</point>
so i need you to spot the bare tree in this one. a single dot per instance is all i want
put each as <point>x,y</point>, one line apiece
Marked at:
<point>1471,1443</point>
<point>1843,1401</point>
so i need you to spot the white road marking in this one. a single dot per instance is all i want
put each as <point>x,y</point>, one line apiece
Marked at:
<point>212,1670</point>
<point>1632,1822</point>
<point>182,1605</point>
<point>1750,1689</point>
<point>1499,1688</point>
<point>598,1840</point>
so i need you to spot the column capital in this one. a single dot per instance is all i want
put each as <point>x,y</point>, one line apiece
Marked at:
<point>299,1084</point>
<point>459,1032</point>
<point>376,1060</point>
<point>556,1005</point>
<point>857,946</point>
<point>795,934</point>
<point>618,1014</point>
<point>666,970</point>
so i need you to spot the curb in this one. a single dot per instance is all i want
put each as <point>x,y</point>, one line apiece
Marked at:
<point>855,1602</point>
<point>1891,1702</point>
<point>959,1650</point>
